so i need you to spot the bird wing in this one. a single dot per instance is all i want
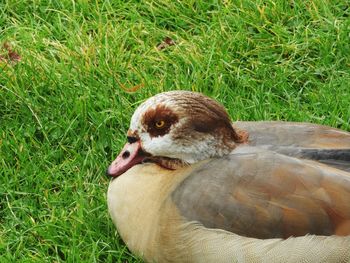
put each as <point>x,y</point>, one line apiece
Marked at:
<point>302,140</point>
<point>305,135</point>
<point>263,194</point>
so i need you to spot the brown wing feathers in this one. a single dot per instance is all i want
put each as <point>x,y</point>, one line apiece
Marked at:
<point>267,195</point>
<point>303,140</point>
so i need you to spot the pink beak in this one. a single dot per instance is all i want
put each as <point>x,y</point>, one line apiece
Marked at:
<point>129,156</point>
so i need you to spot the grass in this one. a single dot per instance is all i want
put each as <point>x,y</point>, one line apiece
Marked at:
<point>64,107</point>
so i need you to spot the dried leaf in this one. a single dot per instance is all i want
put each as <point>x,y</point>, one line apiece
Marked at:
<point>10,56</point>
<point>13,56</point>
<point>167,42</point>
<point>132,89</point>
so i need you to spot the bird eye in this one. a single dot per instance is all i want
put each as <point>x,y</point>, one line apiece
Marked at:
<point>160,124</point>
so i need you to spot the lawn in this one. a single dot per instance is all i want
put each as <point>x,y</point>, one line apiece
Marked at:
<point>72,73</point>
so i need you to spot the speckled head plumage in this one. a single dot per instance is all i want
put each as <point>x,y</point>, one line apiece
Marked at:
<point>182,126</point>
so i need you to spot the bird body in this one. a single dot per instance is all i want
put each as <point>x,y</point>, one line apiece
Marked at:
<point>223,192</point>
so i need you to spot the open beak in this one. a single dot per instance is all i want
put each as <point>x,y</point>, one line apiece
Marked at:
<point>130,155</point>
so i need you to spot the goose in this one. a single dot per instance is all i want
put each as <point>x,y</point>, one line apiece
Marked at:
<point>191,186</point>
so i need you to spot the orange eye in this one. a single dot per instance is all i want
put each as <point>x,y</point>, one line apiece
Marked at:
<point>160,124</point>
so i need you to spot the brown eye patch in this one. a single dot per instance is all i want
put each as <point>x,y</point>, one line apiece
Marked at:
<point>159,120</point>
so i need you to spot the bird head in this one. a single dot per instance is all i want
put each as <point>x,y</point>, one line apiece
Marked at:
<point>177,128</point>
